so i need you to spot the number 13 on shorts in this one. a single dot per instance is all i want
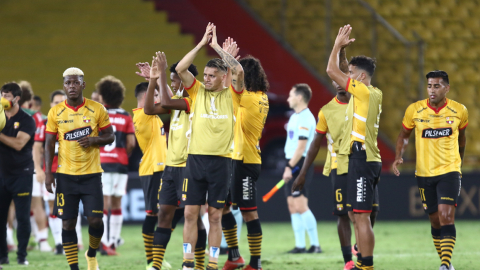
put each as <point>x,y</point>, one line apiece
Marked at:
<point>60,199</point>
<point>184,189</point>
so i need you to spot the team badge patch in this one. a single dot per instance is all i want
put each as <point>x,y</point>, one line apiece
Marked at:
<point>340,207</point>
<point>449,121</point>
<point>60,212</point>
<point>86,119</point>
<point>425,206</point>
<point>184,197</point>
<point>16,125</point>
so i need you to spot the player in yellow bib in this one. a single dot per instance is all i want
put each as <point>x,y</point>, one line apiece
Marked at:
<point>77,123</point>
<point>358,153</point>
<point>440,140</point>
<point>211,144</point>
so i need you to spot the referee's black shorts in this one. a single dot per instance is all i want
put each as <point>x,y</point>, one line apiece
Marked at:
<point>440,189</point>
<point>363,178</point>
<point>71,189</point>
<point>308,179</point>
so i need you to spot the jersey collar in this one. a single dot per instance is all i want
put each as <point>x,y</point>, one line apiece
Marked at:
<point>339,102</point>
<point>435,109</point>
<point>75,108</point>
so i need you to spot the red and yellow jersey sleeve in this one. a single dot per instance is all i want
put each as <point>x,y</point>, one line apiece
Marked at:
<point>193,90</point>
<point>322,123</point>
<point>358,90</point>
<point>52,126</point>
<point>408,121</point>
<point>103,118</point>
<point>236,97</point>
<point>464,118</point>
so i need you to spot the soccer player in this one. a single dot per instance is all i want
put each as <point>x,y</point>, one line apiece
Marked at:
<point>152,140</point>
<point>358,143</point>
<point>437,120</point>
<point>54,222</point>
<point>210,149</point>
<point>114,158</point>
<point>39,218</point>
<point>77,122</point>
<point>250,120</point>
<point>16,171</point>
<point>37,105</point>
<point>300,133</point>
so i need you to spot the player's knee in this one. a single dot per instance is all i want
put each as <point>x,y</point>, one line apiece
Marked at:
<point>344,219</point>
<point>69,224</point>
<point>446,218</point>
<point>190,216</point>
<point>249,215</point>
<point>95,222</point>
<point>226,209</point>
<point>351,215</point>
<point>215,218</point>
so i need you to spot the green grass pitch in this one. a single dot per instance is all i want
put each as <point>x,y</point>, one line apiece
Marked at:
<point>399,245</point>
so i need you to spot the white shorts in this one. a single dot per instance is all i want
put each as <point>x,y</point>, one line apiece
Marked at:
<point>114,184</point>
<point>37,187</point>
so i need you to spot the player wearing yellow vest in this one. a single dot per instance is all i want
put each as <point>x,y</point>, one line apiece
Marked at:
<point>211,143</point>
<point>358,143</point>
<point>440,140</point>
<point>151,138</point>
<point>76,123</point>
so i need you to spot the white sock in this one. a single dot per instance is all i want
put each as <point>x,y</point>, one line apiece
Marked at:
<point>33,225</point>
<point>105,232</point>
<point>41,235</point>
<point>55,225</point>
<point>78,229</point>
<point>116,221</point>
<point>206,223</point>
<point>10,236</point>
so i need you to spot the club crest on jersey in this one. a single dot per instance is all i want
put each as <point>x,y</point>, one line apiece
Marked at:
<point>16,125</point>
<point>77,134</point>
<point>449,120</point>
<point>431,133</point>
<point>86,119</point>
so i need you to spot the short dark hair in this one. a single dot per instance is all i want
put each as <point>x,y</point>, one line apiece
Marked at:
<point>438,74</point>
<point>255,77</point>
<point>218,64</point>
<point>112,91</point>
<point>364,62</point>
<point>56,93</point>
<point>141,88</point>
<point>192,68</point>
<point>304,90</point>
<point>27,92</point>
<point>38,100</point>
<point>13,88</point>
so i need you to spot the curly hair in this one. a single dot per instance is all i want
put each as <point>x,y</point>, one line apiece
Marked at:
<point>192,68</point>
<point>255,77</point>
<point>364,62</point>
<point>112,91</point>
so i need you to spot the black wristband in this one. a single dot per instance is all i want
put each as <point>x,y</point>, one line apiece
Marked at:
<point>289,166</point>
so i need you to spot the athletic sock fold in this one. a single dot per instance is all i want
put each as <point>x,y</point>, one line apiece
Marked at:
<point>148,229</point>
<point>70,245</point>
<point>367,263</point>
<point>310,223</point>
<point>358,264</point>
<point>347,253</point>
<point>298,230</point>
<point>95,235</point>
<point>229,228</point>
<point>200,249</point>
<point>447,243</point>
<point>255,236</point>
<point>160,242</point>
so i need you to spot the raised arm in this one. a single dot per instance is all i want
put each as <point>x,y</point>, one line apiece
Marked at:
<point>230,46</point>
<point>150,107</point>
<point>343,60</point>
<point>333,67</point>
<point>166,101</point>
<point>182,66</point>
<point>232,63</point>
<point>402,142</point>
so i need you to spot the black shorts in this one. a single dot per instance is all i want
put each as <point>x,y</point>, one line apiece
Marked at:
<point>151,189</point>
<point>171,186</point>
<point>243,189</point>
<point>207,174</point>
<point>363,178</point>
<point>440,189</point>
<point>70,189</point>
<point>340,188</point>
<point>308,178</point>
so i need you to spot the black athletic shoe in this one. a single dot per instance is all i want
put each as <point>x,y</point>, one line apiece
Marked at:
<point>188,265</point>
<point>4,260</point>
<point>297,250</point>
<point>22,261</point>
<point>223,251</point>
<point>58,249</point>
<point>314,249</point>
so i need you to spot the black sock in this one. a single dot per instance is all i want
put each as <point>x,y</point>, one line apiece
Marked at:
<point>179,213</point>
<point>95,235</point>
<point>367,262</point>
<point>359,261</point>
<point>147,233</point>
<point>160,242</point>
<point>254,235</point>
<point>70,245</point>
<point>436,235</point>
<point>347,253</point>
<point>447,243</point>
<point>229,227</point>
<point>200,249</point>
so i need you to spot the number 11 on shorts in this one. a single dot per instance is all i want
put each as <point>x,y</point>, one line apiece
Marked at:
<point>422,194</point>
<point>185,184</point>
